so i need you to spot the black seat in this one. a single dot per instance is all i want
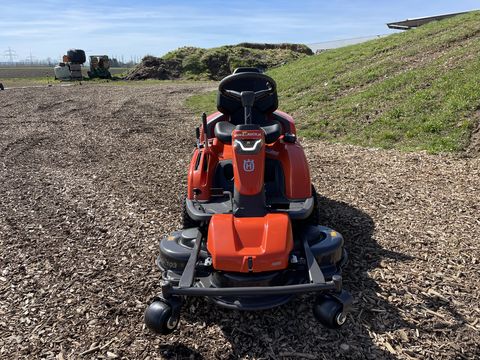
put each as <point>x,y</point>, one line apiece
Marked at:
<point>223,131</point>
<point>247,79</point>
<point>244,81</point>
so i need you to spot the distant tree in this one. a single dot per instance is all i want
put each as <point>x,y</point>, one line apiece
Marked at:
<point>115,63</point>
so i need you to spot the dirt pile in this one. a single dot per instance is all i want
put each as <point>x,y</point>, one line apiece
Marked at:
<point>215,63</point>
<point>301,48</point>
<point>153,67</point>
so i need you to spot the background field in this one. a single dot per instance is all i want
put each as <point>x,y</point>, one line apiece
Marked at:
<point>8,72</point>
<point>38,75</point>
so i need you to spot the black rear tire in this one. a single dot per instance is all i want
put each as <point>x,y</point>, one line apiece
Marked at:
<point>313,218</point>
<point>1,87</point>
<point>187,221</point>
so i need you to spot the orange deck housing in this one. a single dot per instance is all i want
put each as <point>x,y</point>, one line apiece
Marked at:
<point>243,244</point>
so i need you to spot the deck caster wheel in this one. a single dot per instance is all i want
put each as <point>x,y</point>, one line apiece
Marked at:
<point>162,316</point>
<point>329,312</point>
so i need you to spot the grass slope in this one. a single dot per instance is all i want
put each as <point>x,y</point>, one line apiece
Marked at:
<point>416,90</point>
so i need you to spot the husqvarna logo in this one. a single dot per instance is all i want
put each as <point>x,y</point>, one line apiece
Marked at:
<point>248,165</point>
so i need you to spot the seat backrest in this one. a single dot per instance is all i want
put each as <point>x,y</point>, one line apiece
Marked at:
<point>233,108</point>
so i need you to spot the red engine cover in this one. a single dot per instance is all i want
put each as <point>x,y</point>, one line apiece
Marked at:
<point>254,244</point>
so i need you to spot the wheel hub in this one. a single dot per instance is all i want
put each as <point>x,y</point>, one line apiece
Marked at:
<point>341,318</point>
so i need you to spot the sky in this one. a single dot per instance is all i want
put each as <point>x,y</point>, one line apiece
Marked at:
<point>48,28</point>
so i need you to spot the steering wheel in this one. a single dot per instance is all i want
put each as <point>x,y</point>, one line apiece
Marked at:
<point>255,95</point>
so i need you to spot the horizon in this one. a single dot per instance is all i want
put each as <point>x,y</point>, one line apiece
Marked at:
<point>153,28</point>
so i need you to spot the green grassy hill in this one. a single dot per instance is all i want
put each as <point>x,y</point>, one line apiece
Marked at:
<point>216,63</point>
<point>416,90</point>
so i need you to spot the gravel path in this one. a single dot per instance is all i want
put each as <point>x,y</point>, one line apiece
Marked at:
<point>91,178</point>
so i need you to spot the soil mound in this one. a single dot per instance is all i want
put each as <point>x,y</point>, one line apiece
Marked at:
<point>216,63</point>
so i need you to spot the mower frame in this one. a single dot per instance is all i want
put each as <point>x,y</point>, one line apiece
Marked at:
<point>317,282</point>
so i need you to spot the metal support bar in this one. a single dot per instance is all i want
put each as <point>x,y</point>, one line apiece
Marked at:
<point>314,271</point>
<point>188,274</point>
<point>248,291</point>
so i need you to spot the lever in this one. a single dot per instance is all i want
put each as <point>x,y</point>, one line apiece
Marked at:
<point>205,131</point>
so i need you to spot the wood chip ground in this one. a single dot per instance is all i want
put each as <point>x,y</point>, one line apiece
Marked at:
<point>92,176</point>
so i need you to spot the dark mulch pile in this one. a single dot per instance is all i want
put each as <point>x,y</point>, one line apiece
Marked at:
<point>91,178</point>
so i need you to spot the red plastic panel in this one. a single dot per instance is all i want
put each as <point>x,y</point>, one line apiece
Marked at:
<point>267,241</point>
<point>295,168</point>
<point>201,173</point>
<point>290,120</point>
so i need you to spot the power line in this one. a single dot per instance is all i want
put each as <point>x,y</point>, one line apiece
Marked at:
<point>10,54</point>
<point>30,58</point>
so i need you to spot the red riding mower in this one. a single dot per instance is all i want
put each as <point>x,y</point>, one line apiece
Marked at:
<point>251,237</point>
